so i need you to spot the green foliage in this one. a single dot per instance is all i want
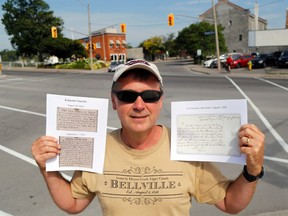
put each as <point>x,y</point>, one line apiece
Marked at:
<point>169,44</point>
<point>8,55</point>
<point>82,64</point>
<point>63,48</point>
<point>29,23</point>
<point>193,38</point>
<point>153,46</point>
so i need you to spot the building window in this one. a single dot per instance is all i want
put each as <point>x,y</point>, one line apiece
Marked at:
<point>123,43</point>
<point>240,37</point>
<point>98,45</point>
<point>117,43</point>
<point>113,57</point>
<point>121,58</point>
<point>111,43</point>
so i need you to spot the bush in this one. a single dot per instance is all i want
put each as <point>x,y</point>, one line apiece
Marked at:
<point>80,64</point>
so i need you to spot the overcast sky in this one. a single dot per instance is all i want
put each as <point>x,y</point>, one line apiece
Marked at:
<point>144,19</point>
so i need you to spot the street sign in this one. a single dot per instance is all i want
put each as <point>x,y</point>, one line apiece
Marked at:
<point>209,33</point>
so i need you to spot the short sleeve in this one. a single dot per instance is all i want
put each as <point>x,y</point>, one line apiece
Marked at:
<point>211,185</point>
<point>78,186</point>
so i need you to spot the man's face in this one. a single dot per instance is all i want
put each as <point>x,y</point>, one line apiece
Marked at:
<point>137,116</point>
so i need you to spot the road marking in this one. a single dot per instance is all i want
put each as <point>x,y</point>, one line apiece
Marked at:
<point>272,83</point>
<point>4,213</point>
<point>23,111</point>
<point>31,161</point>
<point>279,139</point>
<point>276,159</point>
<point>25,158</point>
<point>37,79</point>
<point>38,114</point>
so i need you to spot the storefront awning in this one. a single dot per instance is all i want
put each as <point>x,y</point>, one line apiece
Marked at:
<point>117,41</point>
<point>124,42</point>
<point>111,41</point>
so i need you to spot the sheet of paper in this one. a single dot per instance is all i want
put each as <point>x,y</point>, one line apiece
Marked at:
<point>80,124</point>
<point>207,130</point>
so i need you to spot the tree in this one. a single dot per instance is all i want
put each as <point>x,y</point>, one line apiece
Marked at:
<point>29,23</point>
<point>64,48</point>
<point>193,38</point>
<point>153,47</point>
<point>169,43</point>
<point>8,55</point>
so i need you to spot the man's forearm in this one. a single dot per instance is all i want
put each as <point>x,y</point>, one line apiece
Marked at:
<point>238,195</point>
<point>59,189</point>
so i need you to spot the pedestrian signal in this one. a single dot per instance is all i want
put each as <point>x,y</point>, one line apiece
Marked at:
<point>123,27</point>
<point>171,19</point>
<point>54,32</point>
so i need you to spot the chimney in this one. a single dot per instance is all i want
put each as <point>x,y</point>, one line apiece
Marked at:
<point>287,18</point>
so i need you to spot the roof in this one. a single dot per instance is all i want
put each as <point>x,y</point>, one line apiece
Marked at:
<point>230,4</point>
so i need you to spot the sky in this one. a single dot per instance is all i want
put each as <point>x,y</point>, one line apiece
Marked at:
<point>144,18</point>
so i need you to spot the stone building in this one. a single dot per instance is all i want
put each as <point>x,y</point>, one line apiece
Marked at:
<point>237,22</point>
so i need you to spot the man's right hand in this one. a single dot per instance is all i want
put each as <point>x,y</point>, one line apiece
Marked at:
<point>44,148</point>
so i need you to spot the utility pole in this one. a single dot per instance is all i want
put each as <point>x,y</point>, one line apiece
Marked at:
<point>90,36</point>
<point>89,32</point>
<point>216,37</point>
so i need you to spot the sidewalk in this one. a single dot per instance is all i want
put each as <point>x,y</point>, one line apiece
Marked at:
<point>268,72</point>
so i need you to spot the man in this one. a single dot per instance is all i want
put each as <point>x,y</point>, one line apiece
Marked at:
<point>139,178</point>
<point>229,61</point>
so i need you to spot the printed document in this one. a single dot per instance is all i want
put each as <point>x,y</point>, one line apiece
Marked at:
<point>80,125</point>
<point>207,130</point>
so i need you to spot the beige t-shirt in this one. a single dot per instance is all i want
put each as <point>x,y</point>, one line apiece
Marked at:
<point>147,182</point>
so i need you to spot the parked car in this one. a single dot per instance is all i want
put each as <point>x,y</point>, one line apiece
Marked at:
<point>113,66</point>
<point>254,54</point>
<point>283,59</point>
<point>263,60</point>
<point>212,63</point>
<point>242,61</point>
<point>207,63</point>
<point>276,56</point>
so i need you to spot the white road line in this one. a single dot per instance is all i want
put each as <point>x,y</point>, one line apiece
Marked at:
<point>276,159</point>
<point>35,113</point>
<point>25,158</point>
<point>4,213</point>
<point>272,83</point>
<point>279,139</point>
<point>23,111</point>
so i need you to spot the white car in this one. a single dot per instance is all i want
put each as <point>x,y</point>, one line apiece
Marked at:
<point>207,63</point>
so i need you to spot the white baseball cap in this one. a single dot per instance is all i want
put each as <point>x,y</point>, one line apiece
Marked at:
<point>137,64</point>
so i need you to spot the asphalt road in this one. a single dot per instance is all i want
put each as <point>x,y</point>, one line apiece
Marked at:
<point>22,115</point>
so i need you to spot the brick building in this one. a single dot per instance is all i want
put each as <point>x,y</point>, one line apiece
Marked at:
<point>108,45</point>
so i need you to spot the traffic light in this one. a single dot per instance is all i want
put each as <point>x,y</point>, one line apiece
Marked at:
<point>87,46</point>
<point>123,27</point>
<point>93,46</point>
<point>171,19</point>
<point>54,32</point>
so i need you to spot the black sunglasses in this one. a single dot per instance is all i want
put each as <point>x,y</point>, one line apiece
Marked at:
<point>129,96</point>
